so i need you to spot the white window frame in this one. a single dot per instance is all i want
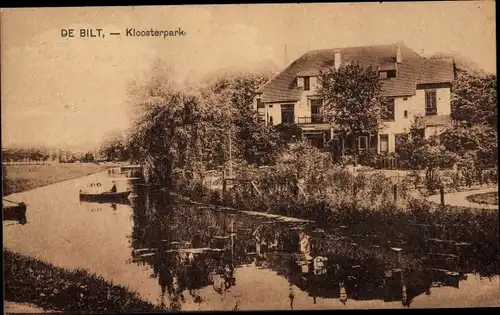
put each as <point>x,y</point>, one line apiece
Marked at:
<point>427,102</point>
<point>380,143</point>
<point>308,80</point>
<point>366,143</point>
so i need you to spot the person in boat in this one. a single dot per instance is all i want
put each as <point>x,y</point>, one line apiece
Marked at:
<point>113,189</point>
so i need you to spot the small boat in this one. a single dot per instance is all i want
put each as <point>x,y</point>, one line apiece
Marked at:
<point>14,211</point>
<point>105,196</point>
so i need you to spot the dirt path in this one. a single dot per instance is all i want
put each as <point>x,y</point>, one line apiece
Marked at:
<point>460,199</point>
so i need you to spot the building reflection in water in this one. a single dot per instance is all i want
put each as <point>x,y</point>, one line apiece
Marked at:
<point>193,247</point>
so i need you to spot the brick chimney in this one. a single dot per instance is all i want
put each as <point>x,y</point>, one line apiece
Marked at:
<point>338,59</point>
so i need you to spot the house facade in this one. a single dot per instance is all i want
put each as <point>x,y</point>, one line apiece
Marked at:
<point>418,90</point>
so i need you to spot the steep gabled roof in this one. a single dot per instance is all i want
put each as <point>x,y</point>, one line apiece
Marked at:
<point>413,70</point>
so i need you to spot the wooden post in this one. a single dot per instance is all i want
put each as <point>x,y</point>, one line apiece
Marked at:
<point>224,186</point>
<point>232,239</point>
<point>230,156</point>
<point>395,191</point>
<point>441,192</point>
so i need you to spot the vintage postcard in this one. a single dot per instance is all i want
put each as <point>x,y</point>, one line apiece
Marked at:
<point>250,157</point>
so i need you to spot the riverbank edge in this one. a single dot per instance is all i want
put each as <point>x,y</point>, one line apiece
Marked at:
<point>41,284</point>
<point>256,213</point>
<point>28,187</point>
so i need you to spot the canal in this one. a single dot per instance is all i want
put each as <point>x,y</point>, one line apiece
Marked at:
<point>198,257</point>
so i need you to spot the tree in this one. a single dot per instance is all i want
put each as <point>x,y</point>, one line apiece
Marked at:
<point>352,98</point>
<point>474,97</point>
<point>86,158</point>
<point>115,148</point>
<point>251,140</point>
<point>416,152</point>
<point>478,141</point>
<point>175,128</point>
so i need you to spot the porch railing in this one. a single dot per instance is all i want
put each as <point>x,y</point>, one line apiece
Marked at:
<point>313,119</point>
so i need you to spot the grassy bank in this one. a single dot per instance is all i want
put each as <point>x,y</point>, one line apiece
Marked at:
<point>18,178</point>
<point>32,281</point>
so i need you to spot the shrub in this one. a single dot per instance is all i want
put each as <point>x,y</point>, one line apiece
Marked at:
<point>369,158</point>
<point>432,181</point>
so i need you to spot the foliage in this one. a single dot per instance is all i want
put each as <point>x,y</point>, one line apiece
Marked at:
<point>28,154</point>
<point>474,97</point>
<point>252,141</point>
<point>175,129</point>
<point>353,100</point>
<point>192,130</point>
<point>303,175</point>
<point>288,133</point>
<point>417,153</point>
<point>64,290</point>
<point>88,158</point>
<point>115,148</point>
<point>490,198</point>
<point>477,141</point>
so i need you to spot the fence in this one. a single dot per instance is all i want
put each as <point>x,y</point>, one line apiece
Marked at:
<point>30,162</point>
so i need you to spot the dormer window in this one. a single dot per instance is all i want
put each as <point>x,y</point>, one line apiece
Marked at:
<point>387,74</point>
<point>306,83</point>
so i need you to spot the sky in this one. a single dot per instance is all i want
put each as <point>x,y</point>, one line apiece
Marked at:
<point>71,92</point>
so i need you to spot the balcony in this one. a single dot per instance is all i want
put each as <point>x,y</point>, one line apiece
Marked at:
<point>313,119</point>
<point>430,111</point>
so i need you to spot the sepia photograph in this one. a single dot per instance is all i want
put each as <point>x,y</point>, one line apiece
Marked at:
<point>249,157</point>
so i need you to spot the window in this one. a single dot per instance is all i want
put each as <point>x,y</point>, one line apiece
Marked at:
<point>384,143</point>
<point>389,114</point>
<point>405,114</point>
<point>362,142</point>
<point>270,105</point>
<point>306,83</point>
<point>316,111</point>
<point>430,102</point>
<point>373,143</point>
<point>270,120</point>
<point>259,103</point>
<point>387,74</point>
<point>287,114</point>
<point>316,102</point>
<point>262,115</point>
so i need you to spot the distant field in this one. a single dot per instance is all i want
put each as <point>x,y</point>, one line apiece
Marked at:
<point>18,178</point>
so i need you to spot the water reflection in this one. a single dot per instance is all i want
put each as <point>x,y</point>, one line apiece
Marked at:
<point>101,206</point>
<point>193,247</point>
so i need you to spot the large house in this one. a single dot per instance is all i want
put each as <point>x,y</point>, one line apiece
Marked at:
<point>418,90</point>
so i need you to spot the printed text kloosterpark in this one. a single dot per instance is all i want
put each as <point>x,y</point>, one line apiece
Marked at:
<point>155,33</point>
